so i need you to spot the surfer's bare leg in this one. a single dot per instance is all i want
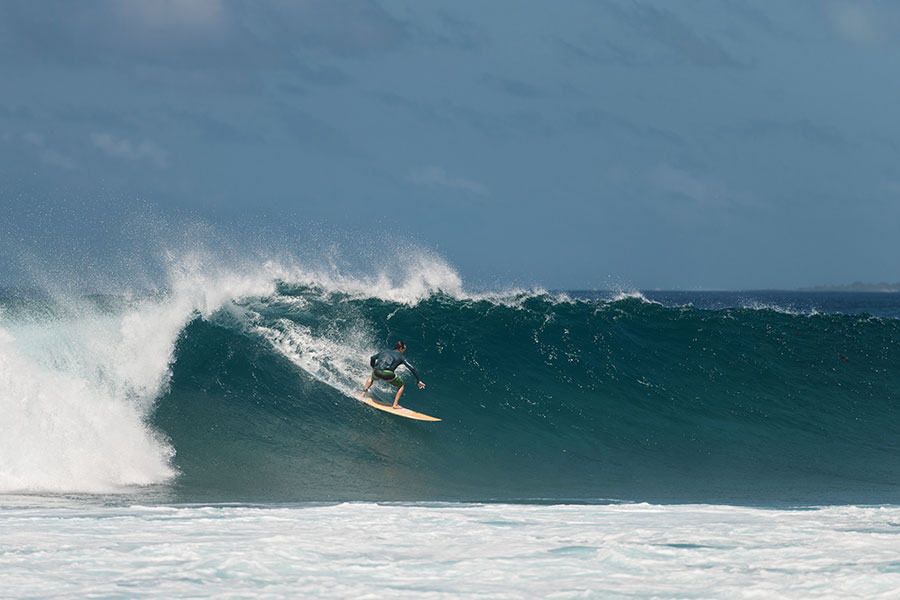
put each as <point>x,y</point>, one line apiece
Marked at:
<point>368,385</point>
<point>397,397</point>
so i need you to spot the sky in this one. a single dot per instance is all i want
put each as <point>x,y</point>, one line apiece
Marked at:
<point>572,145</point>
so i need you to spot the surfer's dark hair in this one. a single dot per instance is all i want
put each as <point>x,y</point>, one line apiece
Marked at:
<point>399,346</point>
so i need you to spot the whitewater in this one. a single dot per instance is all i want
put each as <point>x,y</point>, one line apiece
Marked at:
<point>55,548</point>
<point>192,439</point>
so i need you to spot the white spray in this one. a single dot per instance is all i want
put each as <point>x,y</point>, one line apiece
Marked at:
<point>77,385</point>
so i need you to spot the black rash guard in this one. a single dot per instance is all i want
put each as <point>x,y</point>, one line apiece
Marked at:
<point>389,360</point>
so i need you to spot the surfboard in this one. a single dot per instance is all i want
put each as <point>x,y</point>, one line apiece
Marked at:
<point>400,412</point>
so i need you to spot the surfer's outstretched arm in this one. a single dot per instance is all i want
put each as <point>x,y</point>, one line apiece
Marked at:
<point>416,375</point>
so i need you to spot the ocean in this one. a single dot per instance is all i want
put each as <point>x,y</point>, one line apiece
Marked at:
<point>200,439</point>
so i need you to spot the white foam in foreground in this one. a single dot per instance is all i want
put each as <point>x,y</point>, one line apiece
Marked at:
<point>447,551</point>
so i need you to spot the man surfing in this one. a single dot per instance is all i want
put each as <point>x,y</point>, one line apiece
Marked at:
<point>383,366</point>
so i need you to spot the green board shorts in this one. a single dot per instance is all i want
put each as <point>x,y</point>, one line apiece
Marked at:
<point>388,377</point>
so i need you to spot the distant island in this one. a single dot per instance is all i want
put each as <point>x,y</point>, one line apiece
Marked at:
<point>856,286</point>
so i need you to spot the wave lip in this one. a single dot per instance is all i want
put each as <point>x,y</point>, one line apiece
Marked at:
<point>80,377</point>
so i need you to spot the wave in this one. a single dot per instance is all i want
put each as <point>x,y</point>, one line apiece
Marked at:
<point>232,384</point>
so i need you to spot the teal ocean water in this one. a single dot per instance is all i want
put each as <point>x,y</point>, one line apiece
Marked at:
<point>234,390</point>
<point>541,398</point>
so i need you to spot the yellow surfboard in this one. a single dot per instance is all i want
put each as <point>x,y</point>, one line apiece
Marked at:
<point>400,412</point>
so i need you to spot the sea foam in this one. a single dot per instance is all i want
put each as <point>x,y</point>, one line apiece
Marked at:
<point>79,377</point>
<point>368,550</point>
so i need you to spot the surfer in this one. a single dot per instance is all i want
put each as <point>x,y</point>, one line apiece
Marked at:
<point>383,366</point>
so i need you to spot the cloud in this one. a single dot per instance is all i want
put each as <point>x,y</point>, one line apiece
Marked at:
<point>57,159</point>
<point>47,155</point>
<point>34,139</point>
<point>863,22</point>
<point>18,113</point>
<point>706,192</point>
<point>501,126</point>
<point>209,126</point>
<point>125,149</point>
<point>667,29</point>
<point>513,87</point>
<point>748,14</point>
<point>458,32</point>
<point>324,75</point>
<point>88,115</point>
<point>889,186</point>
<point>197,15</point>
<point>192,34</point>
<point>315,132</point>
<point>802,129</point>
<point>338,27</point>
<point>427,112</point>
<point>594,119</point>
<point>106,32</point>
<point>853,21</point>
<point>436,177</point>
<point>605,54</point>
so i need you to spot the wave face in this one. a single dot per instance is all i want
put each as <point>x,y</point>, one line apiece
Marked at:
<point>234,389</point>
<point>540,398</point>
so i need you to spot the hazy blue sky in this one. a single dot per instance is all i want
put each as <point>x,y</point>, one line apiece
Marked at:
<point>570,144</point>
